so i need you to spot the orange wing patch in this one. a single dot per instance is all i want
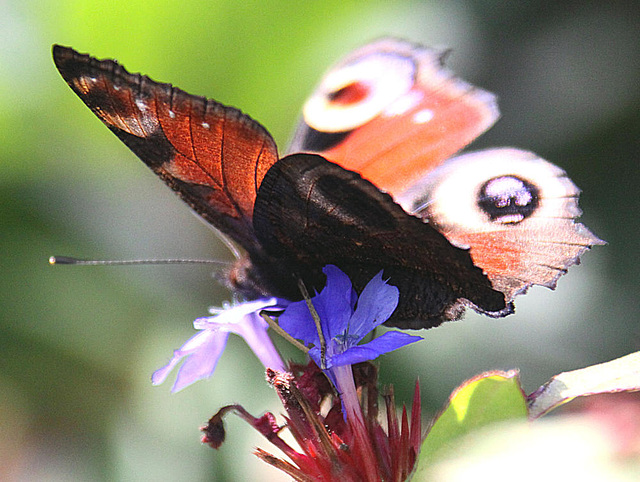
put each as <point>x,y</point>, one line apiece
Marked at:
<point>213,156</point>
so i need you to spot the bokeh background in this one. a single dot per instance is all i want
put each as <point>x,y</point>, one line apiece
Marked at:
<point>78,345</point>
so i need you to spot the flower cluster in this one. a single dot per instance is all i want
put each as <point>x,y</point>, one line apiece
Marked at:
<point>343,440</point>
<point>331,402</point>
<point>330,446</point>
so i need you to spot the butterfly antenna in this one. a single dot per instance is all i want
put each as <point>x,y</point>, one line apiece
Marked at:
<point>316,320</point>
<point>231,246</point>
<point>67,260</point>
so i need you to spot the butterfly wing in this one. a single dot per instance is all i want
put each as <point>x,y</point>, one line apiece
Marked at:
<point>311,212</point>
<point>514,210</point>
<point>212,155</point>
<point>392,113</point>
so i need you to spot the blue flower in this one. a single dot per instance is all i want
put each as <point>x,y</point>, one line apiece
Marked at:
<point>202,351</point>
<point>346,320</point>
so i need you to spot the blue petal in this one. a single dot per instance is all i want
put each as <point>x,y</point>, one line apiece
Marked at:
<point>314,354</point>
<point>297,321</point>
<point>334,305</point>
<point>375,305</point>
<point>392,340</point>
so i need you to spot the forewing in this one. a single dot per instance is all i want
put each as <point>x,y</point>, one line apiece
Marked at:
<point>212,155</point>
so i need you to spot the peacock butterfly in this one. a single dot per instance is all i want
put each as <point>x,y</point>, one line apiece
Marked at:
<point>367,184</point>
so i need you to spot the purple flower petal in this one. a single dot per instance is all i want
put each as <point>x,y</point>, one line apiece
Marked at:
<point>335,302</point>
<point>334,305</point>
<point>297,321</point>
<point>202,351</point>
<point>202,362</point>
<point>392,340</point>
<point>203,340</point>
<point>343,327</point>
<point>376,304</point>
<point>254,332</point>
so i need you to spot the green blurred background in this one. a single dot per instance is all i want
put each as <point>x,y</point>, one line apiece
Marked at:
<point>78,345</point>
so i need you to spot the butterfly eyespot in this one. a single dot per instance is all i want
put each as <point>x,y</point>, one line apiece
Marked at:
<point>349,94</point>
<point>358,91</point>
<point>508,199</point>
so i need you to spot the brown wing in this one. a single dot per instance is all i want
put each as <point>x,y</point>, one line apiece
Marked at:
<point>392,113</point>
<point>212,155</point>
<point>311,212</point>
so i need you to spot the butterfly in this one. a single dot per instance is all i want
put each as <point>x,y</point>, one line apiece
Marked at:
<point>371,181</point>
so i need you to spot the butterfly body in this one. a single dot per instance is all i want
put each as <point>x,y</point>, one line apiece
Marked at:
<point>367,185</point>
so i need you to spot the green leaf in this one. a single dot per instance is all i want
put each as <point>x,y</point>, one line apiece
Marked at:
<point>483,400</point>
<point>619,375</point>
